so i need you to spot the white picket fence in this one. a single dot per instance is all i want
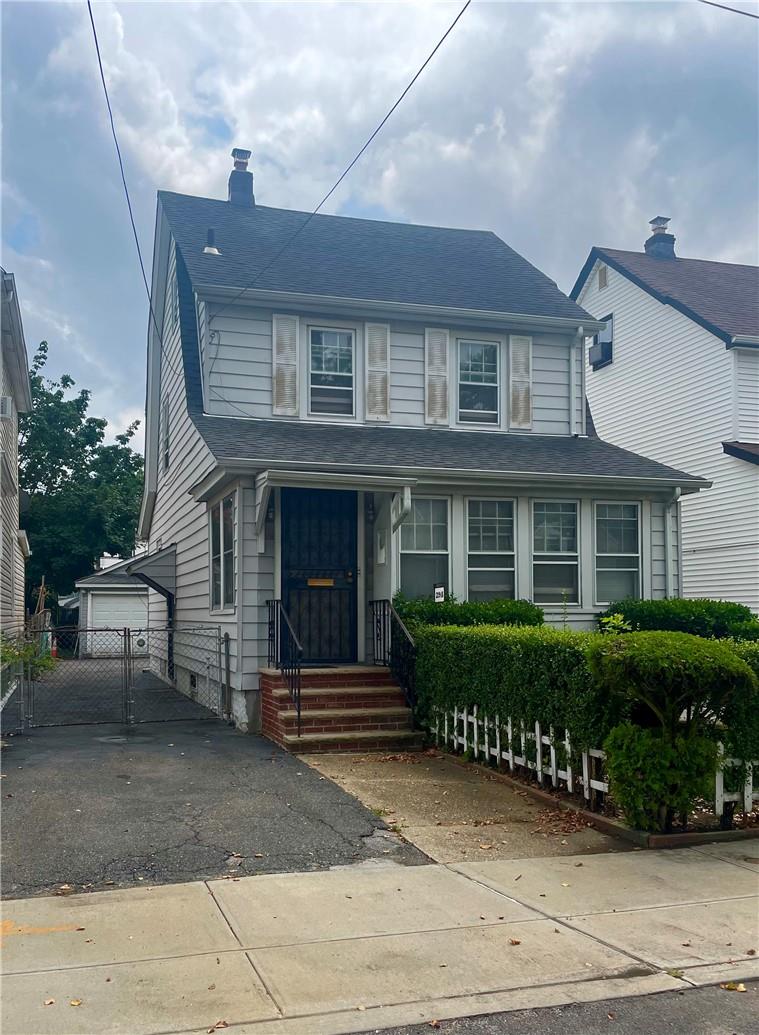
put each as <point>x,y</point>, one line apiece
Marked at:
<point>488,738</point>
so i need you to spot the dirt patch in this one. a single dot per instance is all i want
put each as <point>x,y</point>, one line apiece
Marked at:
<point>457,814</point>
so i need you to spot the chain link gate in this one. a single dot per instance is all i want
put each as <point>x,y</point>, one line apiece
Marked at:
<point>127,676</point>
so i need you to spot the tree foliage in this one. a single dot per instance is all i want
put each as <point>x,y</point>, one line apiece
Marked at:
<point>82,495</point>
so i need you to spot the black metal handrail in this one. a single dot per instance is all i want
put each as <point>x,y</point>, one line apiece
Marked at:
<point>394,646</point>
<point>285,651</point>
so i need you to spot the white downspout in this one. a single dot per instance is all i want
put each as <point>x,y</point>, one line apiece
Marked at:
<point>668,573</point>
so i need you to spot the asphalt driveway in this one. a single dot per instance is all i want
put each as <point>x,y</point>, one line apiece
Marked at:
<point>106,806</point>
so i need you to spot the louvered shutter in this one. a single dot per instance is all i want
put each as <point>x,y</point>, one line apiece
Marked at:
<point>435,376</point>
<point>285,365</point>
<point>377,347</point>
<point>520,376</point>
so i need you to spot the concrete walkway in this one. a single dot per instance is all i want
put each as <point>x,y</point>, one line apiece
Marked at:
<point>366,947</point>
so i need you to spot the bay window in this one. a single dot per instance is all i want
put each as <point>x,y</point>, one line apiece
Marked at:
<point>490,545</point>
<point>478,382</point>
<point>331,371</point>
<point>617,537</point>
<point>555,557</point>
<point>424,548</point>
<point>222,518</point>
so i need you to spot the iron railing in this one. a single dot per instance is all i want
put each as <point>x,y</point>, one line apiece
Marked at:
<point>285,651</point>
<point>393,645</point>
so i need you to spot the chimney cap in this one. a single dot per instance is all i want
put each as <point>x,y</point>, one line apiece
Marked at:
<point>659,224</point>
<point>210,248</point>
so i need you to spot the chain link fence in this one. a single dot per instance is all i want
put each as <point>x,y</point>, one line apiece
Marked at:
<point>11,697</point>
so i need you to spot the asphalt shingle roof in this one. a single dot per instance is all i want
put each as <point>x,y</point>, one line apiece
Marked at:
<point>369,259</point>
<point>116,578</point>
<point>721,296</point>
<point>336,446</point>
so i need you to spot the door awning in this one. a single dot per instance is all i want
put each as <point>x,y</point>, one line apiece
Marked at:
<point>157,570</point>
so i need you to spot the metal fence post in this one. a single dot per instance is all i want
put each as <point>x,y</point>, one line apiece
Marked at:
<point>227,679</point>
<point>128,698</point>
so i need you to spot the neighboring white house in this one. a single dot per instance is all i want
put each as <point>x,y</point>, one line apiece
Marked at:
<point>675,375</point>
<point>109,599</point>
<point>15,398</point>
<point>342,408</point>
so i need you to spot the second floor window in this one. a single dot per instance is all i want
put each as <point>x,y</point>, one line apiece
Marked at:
<point>478,382</point>
<point>223,554</point>
<point>331,356</point>
<point>555,557</point>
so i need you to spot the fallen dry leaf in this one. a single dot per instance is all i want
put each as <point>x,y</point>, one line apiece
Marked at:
<point>217,1027</point>
<point>49,1002</point>
<point>751,952</point>
<point>434,1024</point>
<point>75,1002</point>
<point>733,986</point>
<point>514,941</point>
<point>485,848</point>
<point>518,876</point>
<point>686,944</point>
<point>565,884</point>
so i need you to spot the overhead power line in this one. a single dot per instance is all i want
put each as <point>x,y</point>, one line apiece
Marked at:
<point>724,7</point>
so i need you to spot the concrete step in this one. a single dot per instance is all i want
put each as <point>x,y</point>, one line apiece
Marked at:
<point>387,740</point>
<point>343,697</point>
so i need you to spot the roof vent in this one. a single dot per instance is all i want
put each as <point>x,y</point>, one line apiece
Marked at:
<point>661,244</point>
<point>240,180</point>
<point>210,248</point>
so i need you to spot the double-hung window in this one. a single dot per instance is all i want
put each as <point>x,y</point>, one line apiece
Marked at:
<point>490,540</point>
<point>223,554</point>
<point>331,362</point>
<point>555,557</point>
<point>617,551</point>
<point>424,548</point>
<point>478,382</point>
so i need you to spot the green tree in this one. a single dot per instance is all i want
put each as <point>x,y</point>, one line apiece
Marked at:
<point>83,496</point>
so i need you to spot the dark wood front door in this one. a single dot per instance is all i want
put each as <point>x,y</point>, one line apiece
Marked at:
<point>319,572</point>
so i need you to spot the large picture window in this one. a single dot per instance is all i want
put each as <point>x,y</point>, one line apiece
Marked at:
<point>478,382</point>
<point>424,548</point>
<point>555,557</point>
<point>490,542</point>
<point>223,554</point>
<point>331,371</point>
<point>617,551</point>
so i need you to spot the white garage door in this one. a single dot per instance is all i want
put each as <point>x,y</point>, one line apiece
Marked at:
<point>115,611</point>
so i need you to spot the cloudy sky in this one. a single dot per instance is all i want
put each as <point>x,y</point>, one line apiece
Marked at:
<point>558,126</point>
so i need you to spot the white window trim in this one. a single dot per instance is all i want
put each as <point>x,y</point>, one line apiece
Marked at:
<point>463,339</point>
<point>354,376</point>
<point>223,609</point>
<point>428,553</point>
<point>561,557</point>
<point>514,508</point>
<point>628,503</point>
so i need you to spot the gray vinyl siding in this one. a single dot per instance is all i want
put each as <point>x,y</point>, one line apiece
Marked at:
<point>11,557</point>
<point>747,395</point>
<point>236,351</point>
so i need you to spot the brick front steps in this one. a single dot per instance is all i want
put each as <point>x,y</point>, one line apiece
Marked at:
<point>350,708</point>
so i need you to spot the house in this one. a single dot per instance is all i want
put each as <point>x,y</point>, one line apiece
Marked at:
<point>674,373</point>
<point>109,599</point>
<point>339,409</point>
<point>15,398</point>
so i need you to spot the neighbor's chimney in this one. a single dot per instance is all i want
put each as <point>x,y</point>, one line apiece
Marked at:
<point>240,180</point>
<point>660,244</point>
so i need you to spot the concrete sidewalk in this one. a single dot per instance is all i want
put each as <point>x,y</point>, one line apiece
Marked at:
<point>371,946</point>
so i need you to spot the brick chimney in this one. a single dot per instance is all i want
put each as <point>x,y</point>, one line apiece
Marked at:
<point>240,180</point>
<point>660,244</point>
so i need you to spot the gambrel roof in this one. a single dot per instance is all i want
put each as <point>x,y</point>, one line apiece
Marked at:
<point>340,257</point>
<point>722,297</point>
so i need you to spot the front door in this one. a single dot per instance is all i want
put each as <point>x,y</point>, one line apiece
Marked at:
<point>319,572</point>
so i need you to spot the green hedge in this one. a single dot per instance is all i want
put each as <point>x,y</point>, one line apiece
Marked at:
<point>700,617</point>
<point>475,612</point>
<point>527,673</point>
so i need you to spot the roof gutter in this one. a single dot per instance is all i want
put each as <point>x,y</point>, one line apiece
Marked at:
<point>411,309</point>
<point>744,341</point>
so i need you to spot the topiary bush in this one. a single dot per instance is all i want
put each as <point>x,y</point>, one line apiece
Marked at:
<point>700,617</point>
<point>745,631</point>
<point>527,673</point>
<point>425,611</point>
<point>653,778</point>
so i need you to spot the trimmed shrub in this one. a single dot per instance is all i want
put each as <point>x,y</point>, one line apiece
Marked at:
<point>741,720</point>
<point>700,617</point>
<point>526,673</point>
<point>474,612</point>
<point>673,681</point>
<point>745,631</point>
<point>652,778</point>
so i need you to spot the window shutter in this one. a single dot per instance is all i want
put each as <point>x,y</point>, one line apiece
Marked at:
<point>520,376</point>
<point>377,346</point>
<point>285,365</point>
<point>435,376</point>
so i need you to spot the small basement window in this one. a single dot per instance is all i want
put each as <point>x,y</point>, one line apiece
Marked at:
<point>601,352</point>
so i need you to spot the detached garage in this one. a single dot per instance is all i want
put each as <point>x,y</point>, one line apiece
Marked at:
<point>109,602</point>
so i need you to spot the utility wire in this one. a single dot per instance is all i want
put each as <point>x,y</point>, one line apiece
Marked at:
<point>126,189</point>
<point>724,7</point>
<point>333,188</point>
